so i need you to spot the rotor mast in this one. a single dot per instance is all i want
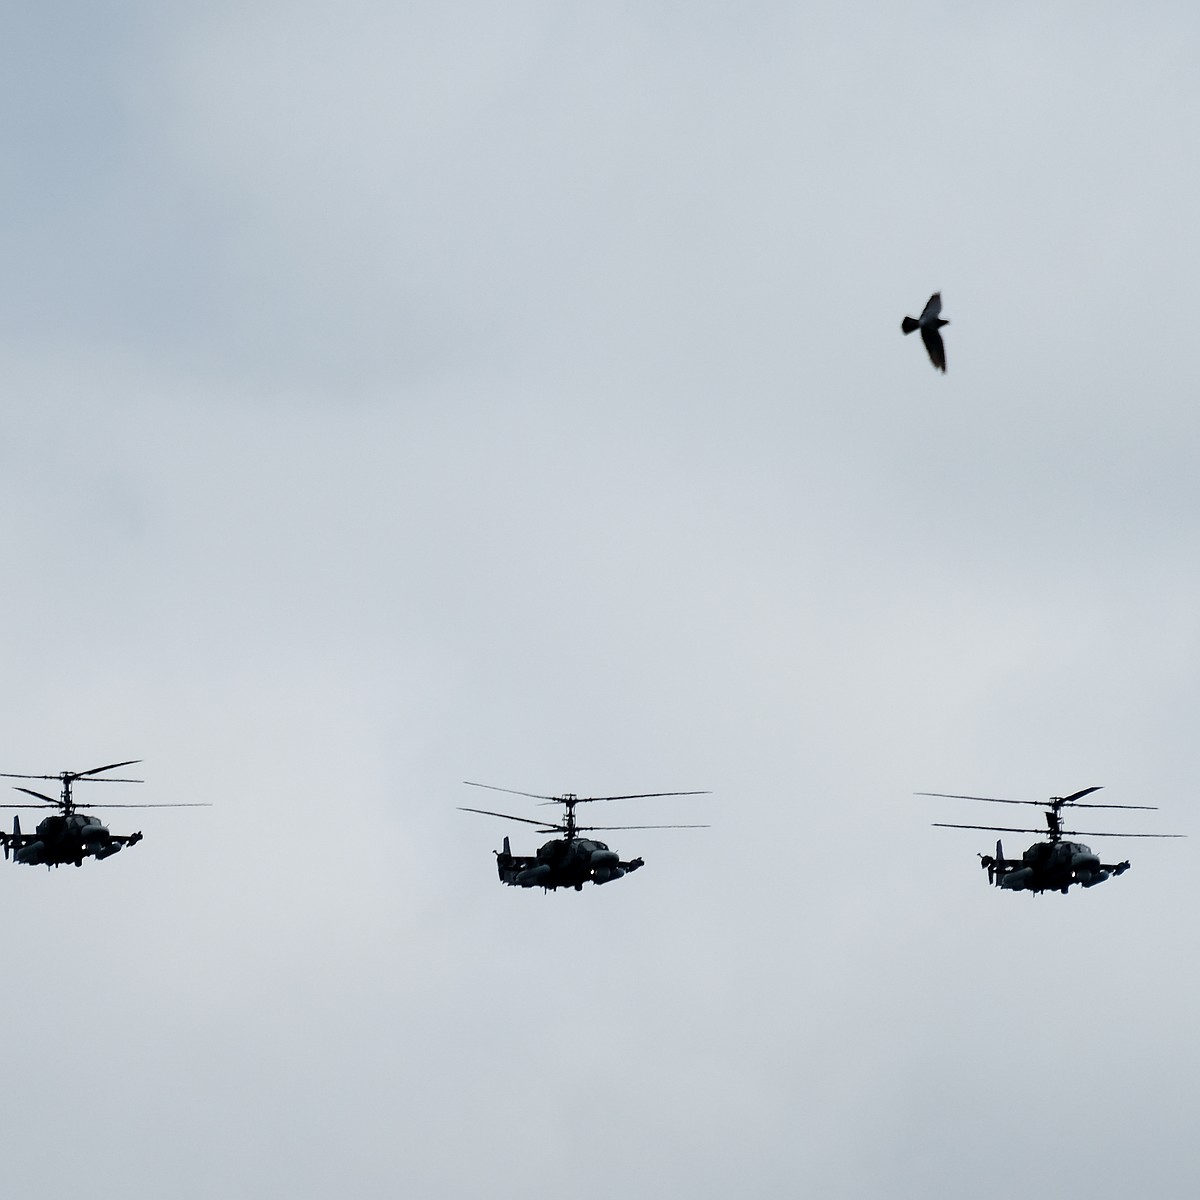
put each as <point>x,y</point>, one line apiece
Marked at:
<point>1054,818</point>
<point>569,828</point>
<point>569,801</point>
<point>66,801</point>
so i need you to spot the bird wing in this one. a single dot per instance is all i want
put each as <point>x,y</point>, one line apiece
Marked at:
<point>933,308</point>
<point>933,343</point>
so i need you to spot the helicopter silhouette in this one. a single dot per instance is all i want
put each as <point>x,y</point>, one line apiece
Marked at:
<point>569,861</point>
<point>1054,865</point>
<point>70,836</point>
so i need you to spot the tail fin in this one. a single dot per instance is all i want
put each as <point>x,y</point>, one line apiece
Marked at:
<point>909,324</point>
<point>15,844</point>
<point>507,851</point>
<point>994,866</point>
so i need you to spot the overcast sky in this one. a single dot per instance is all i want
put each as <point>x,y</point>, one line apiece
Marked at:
<point>396,395</point>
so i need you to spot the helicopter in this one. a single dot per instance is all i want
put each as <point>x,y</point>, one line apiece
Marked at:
<point>1054,865</point>
<point>568,861</point>
<point>70,836</point>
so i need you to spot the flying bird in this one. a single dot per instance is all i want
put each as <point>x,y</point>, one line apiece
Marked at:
<point>929,322</point>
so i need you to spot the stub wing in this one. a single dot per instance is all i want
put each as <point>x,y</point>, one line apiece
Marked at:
<point>107,846</point>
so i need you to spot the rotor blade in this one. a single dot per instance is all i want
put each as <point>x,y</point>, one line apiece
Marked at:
<point>109,779</point>
<point>487,812</point>
<point>1109,833</point>
<point>589,828</point>
<point>198,804</point>
<point>1062,832</point>
<point>77,775</point>
<point>1075,795</point>
<point>1143,807</point>
<point>492,787</point>
<point>997,828</point>
<point>989,799</point>
<point>111,767</point>
<point>1071,800</point>
<point>638,796</point>
<point>39,795</point>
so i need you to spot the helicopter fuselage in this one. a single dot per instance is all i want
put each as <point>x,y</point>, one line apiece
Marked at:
<point>1053,867</point>
<point>64,838</point>
<point>563,862</point>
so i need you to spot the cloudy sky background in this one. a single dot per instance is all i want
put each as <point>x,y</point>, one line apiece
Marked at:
<point>394,397</point>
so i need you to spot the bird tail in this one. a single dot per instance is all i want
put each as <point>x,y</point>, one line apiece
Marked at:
<point>909,324</point>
